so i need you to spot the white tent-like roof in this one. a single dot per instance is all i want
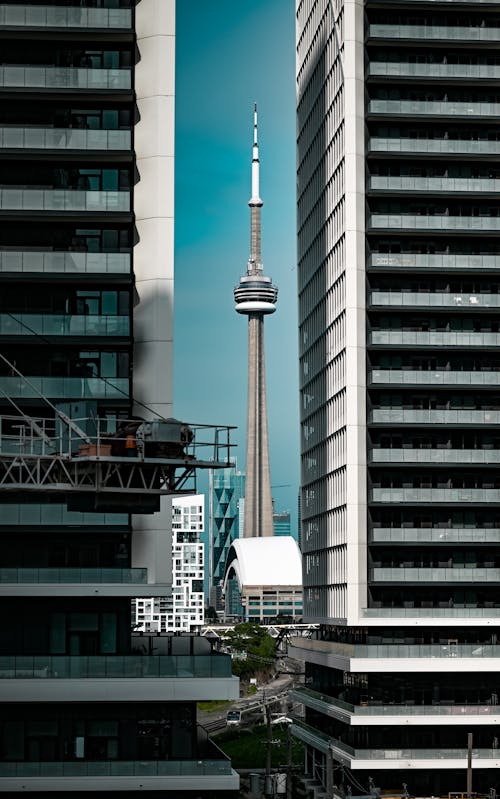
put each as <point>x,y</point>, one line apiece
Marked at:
<point>273,561</point>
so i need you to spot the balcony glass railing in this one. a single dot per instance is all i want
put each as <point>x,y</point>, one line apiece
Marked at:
<point>39,515</point>
<point>426,299</point>
<point>65,262</point>
<point>66,387</point>
<point>456,495</point>
<point>432,32</point>
<point>433,378</point>
<point>433,338</point>
<point>418,535</point>
<point>24,199</point>
<point>64,139</point>
<point>434,108</point>
<point>63,325</point>
<point>77,667</point>
<point>436,261</point>
<point>432,184</point>
<point>472,456</point>
<point>435,222</point>
<point>67,575</point>
<point>425,416</point>
<point>448,71</point>
<point>117,768</point>
<point>451,574</point>
<point>437,613</point>
<point>26,77</point>
<point>64,17</point>
<point>321,702</point>
<point>429,146</point>
<point>419,650</point>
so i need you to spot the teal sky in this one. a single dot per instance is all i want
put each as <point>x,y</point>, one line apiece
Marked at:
<point>230,54</point>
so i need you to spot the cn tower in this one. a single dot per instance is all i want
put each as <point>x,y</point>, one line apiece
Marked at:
<point>255,296</point>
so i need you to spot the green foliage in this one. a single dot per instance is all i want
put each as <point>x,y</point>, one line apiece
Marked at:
<point>213,705</point>
<point>247,748</point>
<point>253,640</point>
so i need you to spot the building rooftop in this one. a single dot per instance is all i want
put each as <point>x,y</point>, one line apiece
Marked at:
<point>271,560</point>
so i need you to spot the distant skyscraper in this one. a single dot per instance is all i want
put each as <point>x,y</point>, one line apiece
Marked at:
<point>282,523</point>
<point>256,296</point>
<point>227,488</point>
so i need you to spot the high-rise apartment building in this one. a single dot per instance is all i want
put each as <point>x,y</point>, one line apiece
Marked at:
<point>282,524</point>
<point>226,497</point>
<point>86,273</point>
<point>398,268</point>
<point>184,609</point>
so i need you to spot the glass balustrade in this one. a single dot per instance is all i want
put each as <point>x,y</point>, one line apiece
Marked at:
<point>54,514</point>
<point>64,17</point>
<point>448,71</point>
<point>438,535</point>
<point>64,262</point>
<point>437,613</point>
<point>30,77</point>
<point>422,650</point>
<point>433,378</point>
<point>432,184</point>
<point>64,139</point>
<point>66,387</point>
<point>318,701</point>
<point>63,325</point>
<point>461,33</point>
<point>429,146</point>
<point>434,575</point>
<point>434,108</point>
<point>117,768</point>
<point>427,416</point>
<point>434,261</point>
<point>472,456</point>
<point>26,199</point>
<point>417,299</point>
<point>435,222</point>
<point>433,338</point>
<point>62,667</point>
<point>458,495</point>
<point>68,575</point>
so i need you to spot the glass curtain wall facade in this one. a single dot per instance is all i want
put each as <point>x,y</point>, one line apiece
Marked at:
<point>399,264</point>
<point>84,88</point>
<point>227,492</point>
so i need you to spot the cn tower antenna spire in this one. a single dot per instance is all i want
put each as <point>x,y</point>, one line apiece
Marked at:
<point>255,296</point>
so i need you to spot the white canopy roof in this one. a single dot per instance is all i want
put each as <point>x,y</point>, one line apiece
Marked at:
<point>272,561</point>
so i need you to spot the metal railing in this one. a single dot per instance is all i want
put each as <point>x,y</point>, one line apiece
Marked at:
<point>433,338</point>
<point>430,456</point>
<point>434,261</point>
<point>444,146</point>
<point>438,299</point>
<point>458,611</point>
<point>437,377</point>
<point>434,108</point>
<point>430,495</point>
<point>450,574</point>
<point>449,71</point>
<point>467,33</point>
<point>432,184</point>
<point>469,535</point>
<point>433,222</point>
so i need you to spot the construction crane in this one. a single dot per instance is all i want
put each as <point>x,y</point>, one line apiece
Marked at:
<point>105,464</point>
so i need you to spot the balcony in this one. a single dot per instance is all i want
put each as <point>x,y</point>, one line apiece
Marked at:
<point>451,574</point>
<point>26,199</point>
<point>64,582</point>
<point>427,299</point>
<point>54,514</point>
<point>73,78</point>
<point>25,16</point>
<point>435,535</point>
<point>453,615</point>
<point>438,758</point>
<point>412,377</point>
<point>432,338</point>
<point>66,388</point>
<point>65,262</point>
<point>393,416</point>
<point>433,108</point>
<point>64,139</point>
<point>431,495</point>
<point>440,261</point>
<point>433,146</point>
<point>73,575</point>
<point>433,185</point>
<point>391,714</point>
<point>435,456</point>
<point>122,775</point>
<point>63,325</point>
<point>431,32</point>
<point>468,224</point>
<point>403,69</point>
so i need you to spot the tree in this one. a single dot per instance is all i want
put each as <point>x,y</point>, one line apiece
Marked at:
<point>257,647</point>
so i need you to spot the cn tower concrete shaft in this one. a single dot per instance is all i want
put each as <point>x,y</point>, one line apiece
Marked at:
<point>258,519</point>
<point>255,296</point>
